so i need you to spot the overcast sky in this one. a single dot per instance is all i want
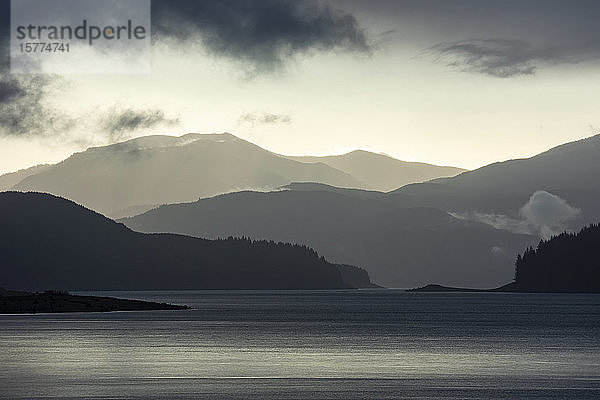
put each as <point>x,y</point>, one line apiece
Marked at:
<point>462,83</point>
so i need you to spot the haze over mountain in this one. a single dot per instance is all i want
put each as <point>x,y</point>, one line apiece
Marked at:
<point>129,178</point>
<point>49,242</point>
<point>461,231</point>
<point>165,169</point>
<point>7,181</point>
<point>381,172</point>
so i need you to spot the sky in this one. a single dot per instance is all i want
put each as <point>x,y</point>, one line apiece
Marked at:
<point>450,82</point>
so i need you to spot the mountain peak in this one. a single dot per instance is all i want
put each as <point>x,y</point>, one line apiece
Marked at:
<point>161,141</point>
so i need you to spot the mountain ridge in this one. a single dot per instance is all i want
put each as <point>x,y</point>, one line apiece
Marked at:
<point>122,178</point>
<point>115,177</point>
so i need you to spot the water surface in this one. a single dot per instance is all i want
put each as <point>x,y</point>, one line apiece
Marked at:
<point>373,344</point>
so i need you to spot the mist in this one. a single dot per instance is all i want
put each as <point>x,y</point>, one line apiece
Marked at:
<point>544,215</point>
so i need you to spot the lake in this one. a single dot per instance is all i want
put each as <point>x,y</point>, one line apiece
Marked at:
<point>368,344</point>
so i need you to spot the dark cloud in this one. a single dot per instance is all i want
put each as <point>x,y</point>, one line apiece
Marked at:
<point>263,34</point>
<point>255,119</point>
<point>119,122</point>
<point>25,108</point>
<point>497,57</point>
<point>505,58</point>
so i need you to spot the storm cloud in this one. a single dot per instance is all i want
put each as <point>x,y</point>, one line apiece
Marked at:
<point>262,34</point>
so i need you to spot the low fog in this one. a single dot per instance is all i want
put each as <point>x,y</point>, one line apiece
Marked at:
<point>544,215</point>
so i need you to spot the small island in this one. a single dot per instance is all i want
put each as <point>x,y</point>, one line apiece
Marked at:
<point>433,288</point>
<point>53,301</point>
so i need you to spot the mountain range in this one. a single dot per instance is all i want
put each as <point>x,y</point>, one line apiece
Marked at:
<point>131,177</point>
<point>465,230</point>
<point>460,231</point>
<point>49,242</point>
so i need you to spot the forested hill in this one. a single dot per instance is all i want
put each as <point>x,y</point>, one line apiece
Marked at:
<point>569,262</point>
<point>49,242</point>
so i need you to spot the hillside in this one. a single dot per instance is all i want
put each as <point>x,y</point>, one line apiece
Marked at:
<point>569,262</point>
<point>381,172</point>
<point>49,242</point>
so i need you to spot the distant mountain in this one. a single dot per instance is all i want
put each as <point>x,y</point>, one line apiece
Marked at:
<point>121,178</point>
<point>49,242</point>
<point>566,263</point>
<point>7,181</point>
<point>570,171</point>
<point>400,247</point>
<point>438,231</point>
<point>381,172</point>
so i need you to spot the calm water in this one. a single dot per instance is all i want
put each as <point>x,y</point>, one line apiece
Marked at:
<point>311,345</point>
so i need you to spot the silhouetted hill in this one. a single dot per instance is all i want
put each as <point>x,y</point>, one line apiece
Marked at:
<point>400,247</point>
<point>381,172</point>
<point>570,171</point>
<point>47,241</point>
<point>566,263</point>
<point>150,170</point>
